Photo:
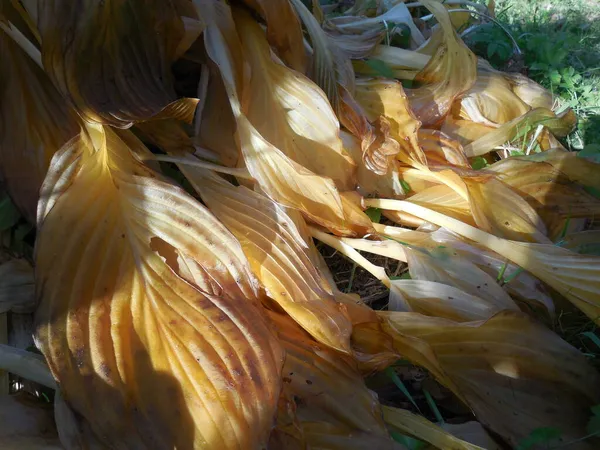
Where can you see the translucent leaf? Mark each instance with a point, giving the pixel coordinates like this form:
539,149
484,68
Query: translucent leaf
291,112
170,362
279,257
500,210
575,276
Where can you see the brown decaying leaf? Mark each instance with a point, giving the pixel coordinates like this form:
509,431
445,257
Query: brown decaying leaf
170,363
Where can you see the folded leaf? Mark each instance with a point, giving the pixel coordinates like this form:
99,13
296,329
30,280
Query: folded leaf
282,179
35,121
440,149
171,363
560,125
279,257
380,97
512,371
111,59
290,111
443,266
464,131
491,101
369,182
529,91
451,72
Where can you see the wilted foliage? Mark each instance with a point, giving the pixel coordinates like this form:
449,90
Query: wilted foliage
181,301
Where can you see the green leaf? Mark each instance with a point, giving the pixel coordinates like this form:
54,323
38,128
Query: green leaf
492,49
595,192
405,186
404,276
9,214
591,151
374,214
400,385
555,77
479,162
539,436
381,68
409,442
593,426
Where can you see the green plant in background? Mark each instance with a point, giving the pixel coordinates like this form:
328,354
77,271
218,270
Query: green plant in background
560,45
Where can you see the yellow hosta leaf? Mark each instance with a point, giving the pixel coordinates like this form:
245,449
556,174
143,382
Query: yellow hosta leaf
446,200
549,191
464,131
326,381
514,373
440,149
291,112
500,210
529,91
282,179
125,75
443,266
491,101
421,428
170,363
35,121
575,276
369,182
580,170
443,243
560,125
279,257
381,97
283,30
442,300
451,71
